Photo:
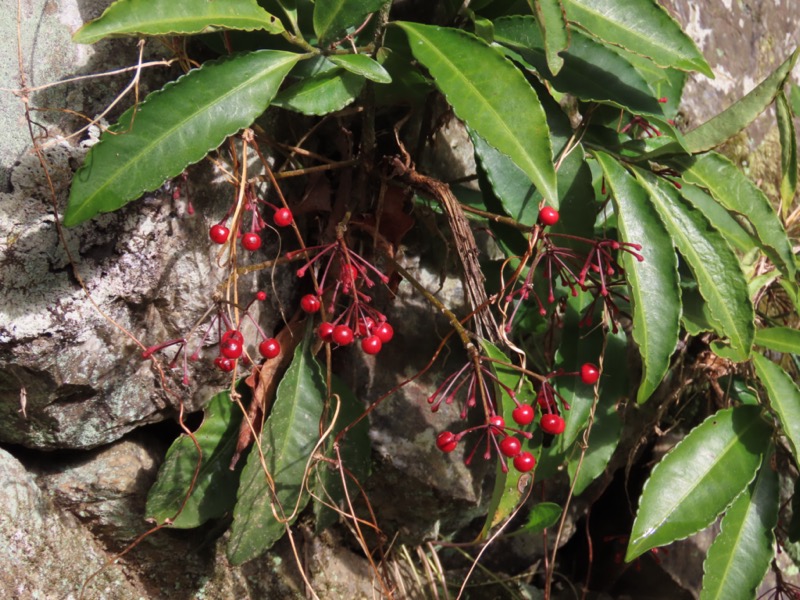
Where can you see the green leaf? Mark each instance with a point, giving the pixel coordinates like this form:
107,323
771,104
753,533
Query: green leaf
214,492
322,93
354,450
653,282
784,398
607,427
489,94
788,140
552,22
641,27
699,478
363,65
739,115
509,485
591,71
542,516
715,267
794,96
741,554
174,128
156,17
731,188
287,440
696,318
333,17
780,339
719,217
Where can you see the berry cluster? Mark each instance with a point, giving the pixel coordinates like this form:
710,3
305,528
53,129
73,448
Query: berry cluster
230,344
475,381
341,277
251,239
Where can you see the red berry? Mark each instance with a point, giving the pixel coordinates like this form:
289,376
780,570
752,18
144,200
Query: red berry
524,462
342,335
219,233
446,441
510,446
371,344
548,216
523,414
325,331
283,217
269,348
232,334
224,364
310,303
348,275
251,241
497,423
261,296
385,332
365,326
589,374
231,348
552,424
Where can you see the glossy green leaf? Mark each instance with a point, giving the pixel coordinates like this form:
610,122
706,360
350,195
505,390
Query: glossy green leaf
174,128
355,451
794,97
695,317
740,114
578,345
510,485
333,17
639,26
591,71
290,433
653,282
156,17
607,427
715,266
784,398
214,492
322,93
733,190
788,140
699,478
542,516
780,339
742,552
552,22
489,94
363,65
716,214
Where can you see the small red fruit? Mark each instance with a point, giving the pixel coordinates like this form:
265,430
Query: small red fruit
552,424
283,217
510,446
385,332
348,275
446,441
497,424
310,303
261,296
251,241
325,331
342,335
589,374
371,344
524,462
523,414
365,326
548,216
224,364
231,348
269,348
219,233
232,334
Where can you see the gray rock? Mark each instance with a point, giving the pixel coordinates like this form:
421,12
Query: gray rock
46,554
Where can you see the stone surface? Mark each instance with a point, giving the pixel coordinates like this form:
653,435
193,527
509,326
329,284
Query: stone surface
45,553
